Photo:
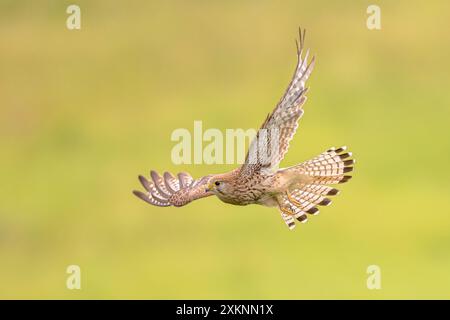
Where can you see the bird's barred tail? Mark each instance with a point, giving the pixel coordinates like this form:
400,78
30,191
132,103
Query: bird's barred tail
328,168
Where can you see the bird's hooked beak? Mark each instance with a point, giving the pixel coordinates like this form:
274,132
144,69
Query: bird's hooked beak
210,187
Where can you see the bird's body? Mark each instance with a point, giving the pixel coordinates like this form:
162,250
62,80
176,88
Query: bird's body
296,190
262,190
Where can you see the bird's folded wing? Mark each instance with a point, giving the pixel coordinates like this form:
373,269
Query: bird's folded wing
173,191
272,140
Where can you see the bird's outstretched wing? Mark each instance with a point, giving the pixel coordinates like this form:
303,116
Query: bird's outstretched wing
173,191
272,140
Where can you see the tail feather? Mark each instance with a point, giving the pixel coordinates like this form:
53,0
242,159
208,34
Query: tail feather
326,169
321,189
331,164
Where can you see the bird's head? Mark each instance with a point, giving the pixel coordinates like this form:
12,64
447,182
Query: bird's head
220,186
216,185
224,186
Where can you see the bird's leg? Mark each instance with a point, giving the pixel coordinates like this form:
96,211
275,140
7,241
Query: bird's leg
291,199
285,210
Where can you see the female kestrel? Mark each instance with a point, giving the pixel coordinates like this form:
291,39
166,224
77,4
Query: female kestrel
296,190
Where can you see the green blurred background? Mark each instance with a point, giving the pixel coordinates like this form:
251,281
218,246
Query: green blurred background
82,113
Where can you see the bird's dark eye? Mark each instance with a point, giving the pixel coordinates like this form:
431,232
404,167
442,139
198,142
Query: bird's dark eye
217,183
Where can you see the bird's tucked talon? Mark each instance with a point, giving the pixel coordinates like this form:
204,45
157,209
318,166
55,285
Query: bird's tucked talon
287,211
291,199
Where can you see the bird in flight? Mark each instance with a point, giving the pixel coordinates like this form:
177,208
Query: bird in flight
296,191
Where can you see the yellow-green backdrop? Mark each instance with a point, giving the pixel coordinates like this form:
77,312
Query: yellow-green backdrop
83,112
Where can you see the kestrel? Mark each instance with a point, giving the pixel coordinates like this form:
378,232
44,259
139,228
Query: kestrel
296,191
